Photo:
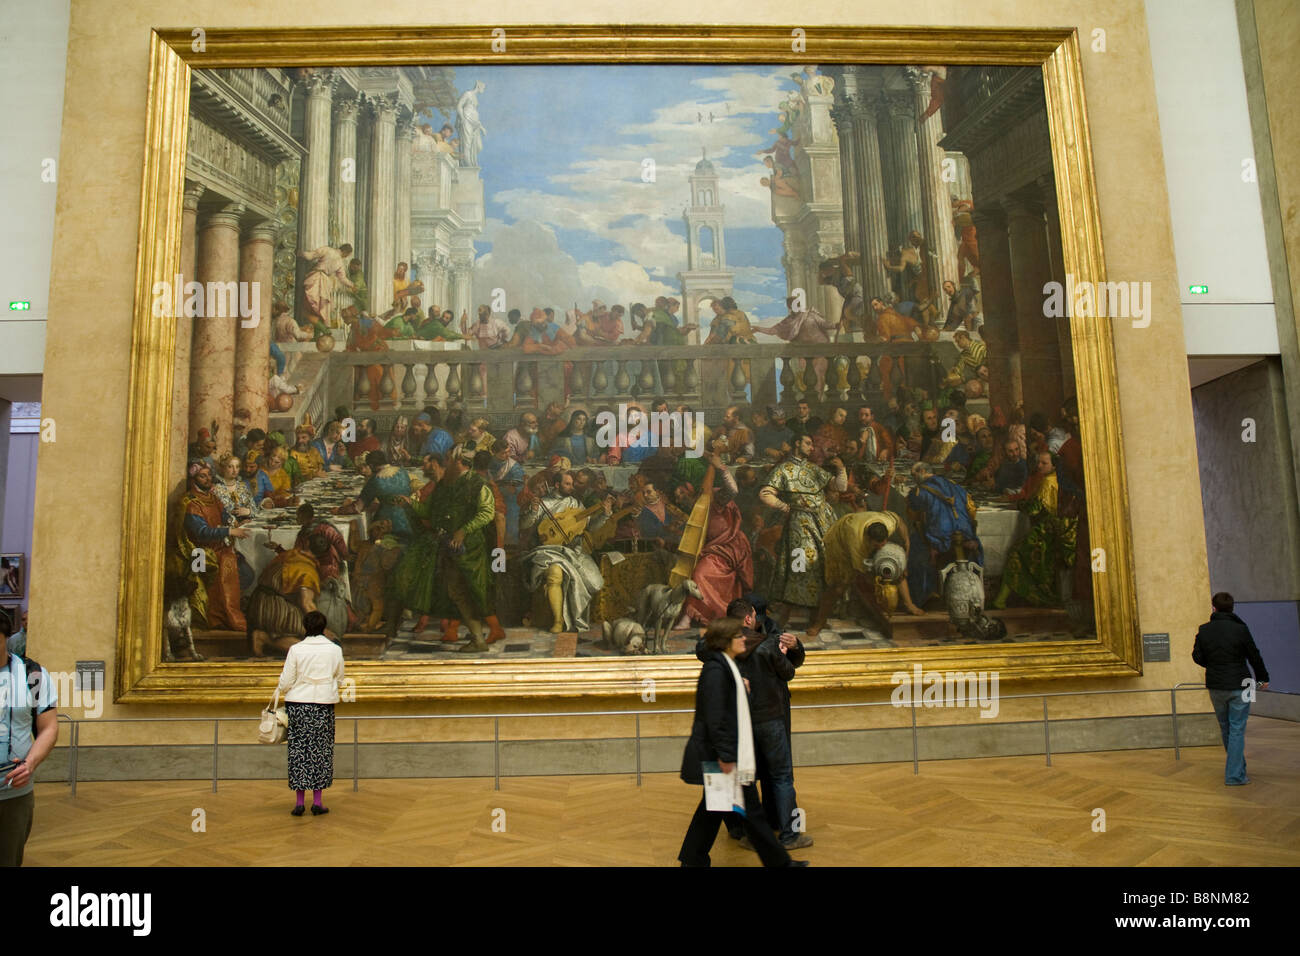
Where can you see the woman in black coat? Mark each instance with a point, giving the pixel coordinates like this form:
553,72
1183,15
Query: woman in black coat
716,736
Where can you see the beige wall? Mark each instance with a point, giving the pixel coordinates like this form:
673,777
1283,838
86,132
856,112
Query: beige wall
1277,24
79,492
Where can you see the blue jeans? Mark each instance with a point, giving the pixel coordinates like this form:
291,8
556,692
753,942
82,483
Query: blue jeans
1232,712
773,742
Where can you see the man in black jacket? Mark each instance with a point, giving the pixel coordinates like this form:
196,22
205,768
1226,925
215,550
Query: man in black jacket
769,666
1223,646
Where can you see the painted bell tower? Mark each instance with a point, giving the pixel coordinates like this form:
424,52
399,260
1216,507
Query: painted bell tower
706,275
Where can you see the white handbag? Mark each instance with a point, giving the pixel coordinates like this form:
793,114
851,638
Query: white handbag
275,722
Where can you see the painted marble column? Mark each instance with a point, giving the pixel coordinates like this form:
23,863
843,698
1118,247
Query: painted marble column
314,194
870,189
1040,354
442,284
902,167
1052,216
343,173
212,361
998,295
862,184
405,133
253,343
361,221
831,302
462,269
180,432
793,261
937,203
380,260
845,125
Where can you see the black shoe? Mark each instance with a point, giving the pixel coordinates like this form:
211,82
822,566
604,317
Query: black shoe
317,810
298,810
797,863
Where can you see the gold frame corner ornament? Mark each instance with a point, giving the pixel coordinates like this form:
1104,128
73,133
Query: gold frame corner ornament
142,677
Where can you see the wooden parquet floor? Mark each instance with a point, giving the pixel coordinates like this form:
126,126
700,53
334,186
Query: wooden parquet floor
1009,811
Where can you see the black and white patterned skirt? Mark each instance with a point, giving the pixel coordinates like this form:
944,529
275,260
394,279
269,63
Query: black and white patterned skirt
311,746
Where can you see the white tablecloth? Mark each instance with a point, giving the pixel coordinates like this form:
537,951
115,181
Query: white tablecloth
1000,529
325,494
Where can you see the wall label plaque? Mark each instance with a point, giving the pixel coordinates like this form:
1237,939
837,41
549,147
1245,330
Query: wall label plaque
1155,647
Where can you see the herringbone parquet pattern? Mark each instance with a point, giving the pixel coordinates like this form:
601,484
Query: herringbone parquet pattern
998,812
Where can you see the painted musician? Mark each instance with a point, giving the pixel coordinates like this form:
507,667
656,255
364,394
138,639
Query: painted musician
563,569
724,567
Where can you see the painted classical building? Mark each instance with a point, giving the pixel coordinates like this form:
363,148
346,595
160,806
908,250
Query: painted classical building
281,162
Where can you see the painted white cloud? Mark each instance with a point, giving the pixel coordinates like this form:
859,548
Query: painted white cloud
527,262
604,186
622,281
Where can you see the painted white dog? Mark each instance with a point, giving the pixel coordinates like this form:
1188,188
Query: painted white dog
624,635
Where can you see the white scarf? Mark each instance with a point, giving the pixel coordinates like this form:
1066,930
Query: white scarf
746,764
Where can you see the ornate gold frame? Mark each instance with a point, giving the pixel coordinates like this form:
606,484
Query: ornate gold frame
141,677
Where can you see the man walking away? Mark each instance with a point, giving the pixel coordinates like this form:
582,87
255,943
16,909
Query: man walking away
1223,646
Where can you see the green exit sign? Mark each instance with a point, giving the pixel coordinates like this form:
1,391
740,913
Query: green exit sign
1198,289
20,306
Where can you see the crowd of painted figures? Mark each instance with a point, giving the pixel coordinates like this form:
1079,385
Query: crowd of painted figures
791,506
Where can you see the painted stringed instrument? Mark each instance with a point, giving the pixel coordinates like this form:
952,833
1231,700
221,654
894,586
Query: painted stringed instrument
564,527
692,542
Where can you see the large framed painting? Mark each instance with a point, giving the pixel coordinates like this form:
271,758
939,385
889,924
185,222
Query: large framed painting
520,356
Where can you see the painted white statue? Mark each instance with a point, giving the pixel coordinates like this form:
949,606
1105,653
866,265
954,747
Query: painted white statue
468,125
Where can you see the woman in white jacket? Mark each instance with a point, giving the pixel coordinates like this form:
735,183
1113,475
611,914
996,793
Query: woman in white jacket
310,682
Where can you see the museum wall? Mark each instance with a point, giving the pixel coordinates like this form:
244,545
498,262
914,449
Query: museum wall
1270,61
1249,500
1274,50
1251,531
32,53
80,485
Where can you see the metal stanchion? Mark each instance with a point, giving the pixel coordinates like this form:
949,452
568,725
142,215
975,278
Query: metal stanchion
916,765
1047,735
496,749
638,750
72,759
356,759
1173,710
216,731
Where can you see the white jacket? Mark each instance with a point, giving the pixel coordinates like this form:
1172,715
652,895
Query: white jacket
312,672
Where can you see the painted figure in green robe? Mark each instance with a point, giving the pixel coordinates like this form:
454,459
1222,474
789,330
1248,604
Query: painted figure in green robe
1034,566
444,573
359,293
668,332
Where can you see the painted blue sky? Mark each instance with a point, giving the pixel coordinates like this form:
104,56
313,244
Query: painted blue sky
569,217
